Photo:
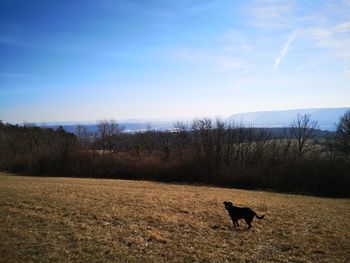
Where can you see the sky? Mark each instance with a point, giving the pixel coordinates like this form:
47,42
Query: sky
86,60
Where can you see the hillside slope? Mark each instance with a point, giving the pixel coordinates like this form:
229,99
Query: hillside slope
90,220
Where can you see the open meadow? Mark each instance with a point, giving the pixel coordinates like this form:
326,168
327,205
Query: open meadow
95,220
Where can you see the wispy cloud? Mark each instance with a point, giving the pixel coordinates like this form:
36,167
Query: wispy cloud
270,14
343,27
334,38
285,49
324,29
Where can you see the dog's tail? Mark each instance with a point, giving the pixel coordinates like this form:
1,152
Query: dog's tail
259,217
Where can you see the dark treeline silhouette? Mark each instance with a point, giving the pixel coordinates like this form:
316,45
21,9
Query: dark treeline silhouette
298,160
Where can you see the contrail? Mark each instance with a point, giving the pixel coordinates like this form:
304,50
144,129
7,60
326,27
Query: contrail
284,49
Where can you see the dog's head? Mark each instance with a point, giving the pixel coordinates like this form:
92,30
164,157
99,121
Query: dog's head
228,205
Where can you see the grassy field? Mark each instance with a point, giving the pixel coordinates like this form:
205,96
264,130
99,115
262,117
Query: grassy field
88,220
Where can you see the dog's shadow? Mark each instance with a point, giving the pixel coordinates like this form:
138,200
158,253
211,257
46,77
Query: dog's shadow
231,228
241,229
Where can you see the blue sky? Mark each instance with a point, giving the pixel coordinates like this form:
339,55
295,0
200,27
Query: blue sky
86,60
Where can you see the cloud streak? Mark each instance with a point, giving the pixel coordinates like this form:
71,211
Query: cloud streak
284,50
270,14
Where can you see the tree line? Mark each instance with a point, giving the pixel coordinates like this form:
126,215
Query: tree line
204,151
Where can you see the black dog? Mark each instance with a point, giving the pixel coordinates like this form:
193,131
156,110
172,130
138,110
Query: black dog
236,213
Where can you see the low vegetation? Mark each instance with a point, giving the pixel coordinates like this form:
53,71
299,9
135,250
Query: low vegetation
96,220
298,159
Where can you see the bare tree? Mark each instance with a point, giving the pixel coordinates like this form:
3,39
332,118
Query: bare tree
82,134
149,126
230,142
203,140
303,132
164,138
107,135
219,141
149,137
329,147
262,137
342,137
181,130
138,142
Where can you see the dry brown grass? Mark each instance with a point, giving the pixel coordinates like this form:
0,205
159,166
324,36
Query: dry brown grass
88,220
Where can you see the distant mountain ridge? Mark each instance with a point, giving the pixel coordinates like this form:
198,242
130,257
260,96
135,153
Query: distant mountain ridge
326,118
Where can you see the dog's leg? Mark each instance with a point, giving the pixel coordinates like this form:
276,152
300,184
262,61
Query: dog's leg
234,222
249,221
